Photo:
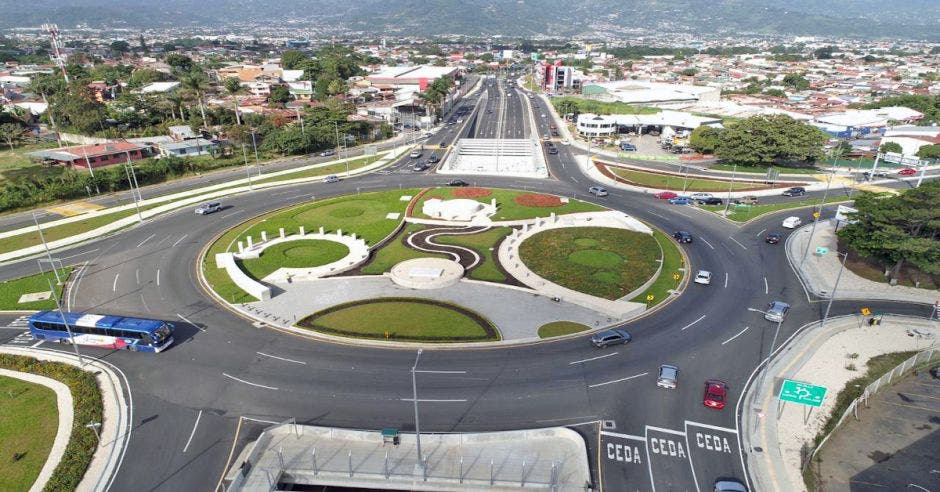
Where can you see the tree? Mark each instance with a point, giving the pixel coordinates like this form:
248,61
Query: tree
280,94
180,63
195,83
144,76
796,80
898,229
688,72
120,47
824,53
765,139
704,139
891,147
567,106
775,93
11,133
78,108
142,44
234,87
929,152
293,60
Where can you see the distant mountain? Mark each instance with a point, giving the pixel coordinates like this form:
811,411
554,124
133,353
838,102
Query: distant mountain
916,19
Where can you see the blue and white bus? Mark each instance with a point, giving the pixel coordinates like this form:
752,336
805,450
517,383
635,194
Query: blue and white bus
113,332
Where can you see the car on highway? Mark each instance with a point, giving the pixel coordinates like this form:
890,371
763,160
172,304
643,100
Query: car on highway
552,126
712,200
443,145
703,277
772,238
935,372
777,311
727,484
792,222
597,190
682,236
331,179
668,377
874,174
716,392
700,195
415,154
552,150
554,133
665,195
610,337
909,171
795,191
746,200
327,153
434,159
628,147
420,166
565,142
208,208
457,182
680,200
543,115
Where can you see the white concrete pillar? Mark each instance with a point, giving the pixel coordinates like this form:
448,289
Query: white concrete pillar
493,202
241,247
281,230
552,216
302,232
353,235
264,236
525,227
250,243
321,230
339,233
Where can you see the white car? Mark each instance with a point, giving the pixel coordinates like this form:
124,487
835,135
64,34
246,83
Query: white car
703,277
792,222
415,154
700,195
331,179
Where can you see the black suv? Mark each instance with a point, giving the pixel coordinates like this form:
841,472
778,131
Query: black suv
795,191
712,200
682,236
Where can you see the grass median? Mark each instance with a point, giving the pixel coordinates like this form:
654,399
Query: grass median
746,213
11,290
679,183
29,419
337,169
306,253
511,204
763,170
560,328
396,251
666,281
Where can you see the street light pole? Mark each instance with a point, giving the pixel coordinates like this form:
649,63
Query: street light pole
247,170
65,322
254,144
812,231
45,246
832,295
94,426
773,343
730,185
419,466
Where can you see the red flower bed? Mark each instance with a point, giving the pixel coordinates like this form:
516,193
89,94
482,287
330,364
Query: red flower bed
472,192
538,200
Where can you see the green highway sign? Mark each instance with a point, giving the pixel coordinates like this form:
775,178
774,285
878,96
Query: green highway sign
802,393
741,205
820,250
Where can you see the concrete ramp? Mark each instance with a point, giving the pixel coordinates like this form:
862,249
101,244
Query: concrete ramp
521,157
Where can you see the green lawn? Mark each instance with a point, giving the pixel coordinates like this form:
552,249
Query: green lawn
29,420
602,262
601,107
402,319
763,170
559,328
337,169
743,214
484,244
11,290
294,254
14,164
678,183
361,214
672,262
395,252
506,206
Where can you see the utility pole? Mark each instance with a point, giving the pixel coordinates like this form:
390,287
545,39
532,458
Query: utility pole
816,215
131,183
45,246
832,295
68,329
730,185
90,170
247,170
419,466
254,144
301,119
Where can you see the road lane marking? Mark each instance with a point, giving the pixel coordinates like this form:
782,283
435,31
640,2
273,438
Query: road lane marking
231,214
144,302
692,323
431,371
766,287
158,278
571,418
712,427
623,436
617,380
137,275
707,243
663,429
193,433
592,358
736,336
691,465
190,322
649,462
145,240
249,382
37,344
297,196
424,400
761,232
736,242
726,280
79,254
179,240
281,358
656,214
114,285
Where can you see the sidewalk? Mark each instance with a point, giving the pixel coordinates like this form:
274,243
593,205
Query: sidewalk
773,434
818,272
115,430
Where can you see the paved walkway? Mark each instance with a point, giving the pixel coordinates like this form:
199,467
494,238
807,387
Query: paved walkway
774,434
818,272
500,304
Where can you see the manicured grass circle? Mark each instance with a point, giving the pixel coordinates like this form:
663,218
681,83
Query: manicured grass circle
606,276
28,425
402,319
595,258
346,212
586,242
301,253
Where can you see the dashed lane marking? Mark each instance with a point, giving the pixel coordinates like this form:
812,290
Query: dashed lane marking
592,358
617,380
692,323
736,242
736,336
249,382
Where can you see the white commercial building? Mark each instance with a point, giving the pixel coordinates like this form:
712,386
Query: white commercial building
643,93
602,125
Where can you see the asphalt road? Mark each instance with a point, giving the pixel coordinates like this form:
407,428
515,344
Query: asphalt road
218,362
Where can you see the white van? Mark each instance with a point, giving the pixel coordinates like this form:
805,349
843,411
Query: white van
792,222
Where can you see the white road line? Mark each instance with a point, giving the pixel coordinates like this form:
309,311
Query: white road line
190,322
430,371
766,287
145,240
692,323
158,278
231,214
736,336
736,242
282,358
37,344
761,232
726,280
249,382
649,462
706,242
261,420
79,254
144,302
712,427
623,436
617,380
422,400
568,418
592,358
114,285
137,275
656,214
193,433
297,196
574,179
691,465
682,214
663,429
179,240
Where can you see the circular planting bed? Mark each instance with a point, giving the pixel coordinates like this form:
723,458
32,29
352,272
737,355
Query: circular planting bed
600,261
538,200
302,253
472,192
402,319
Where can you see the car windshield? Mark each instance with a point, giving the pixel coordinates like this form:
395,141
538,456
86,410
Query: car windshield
161,334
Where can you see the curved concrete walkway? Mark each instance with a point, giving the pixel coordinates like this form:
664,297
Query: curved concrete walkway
424,241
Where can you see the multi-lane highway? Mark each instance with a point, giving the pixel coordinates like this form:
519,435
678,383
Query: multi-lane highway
187,400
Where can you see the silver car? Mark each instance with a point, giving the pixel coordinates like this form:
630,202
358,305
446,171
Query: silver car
777,311
610,337
597,191
208,208
668,377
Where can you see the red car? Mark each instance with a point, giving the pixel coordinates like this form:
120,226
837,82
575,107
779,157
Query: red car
716,391
907,172
665,195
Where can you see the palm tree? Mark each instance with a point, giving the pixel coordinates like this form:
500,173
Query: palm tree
234,87
196,84
175,101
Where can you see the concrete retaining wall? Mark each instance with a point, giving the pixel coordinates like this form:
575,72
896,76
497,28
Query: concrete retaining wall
242,280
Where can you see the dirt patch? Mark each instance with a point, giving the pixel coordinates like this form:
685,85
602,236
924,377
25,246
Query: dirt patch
472,192
538,200
414,201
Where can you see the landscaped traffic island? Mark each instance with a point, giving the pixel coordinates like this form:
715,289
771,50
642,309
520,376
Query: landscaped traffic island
29,420
403,319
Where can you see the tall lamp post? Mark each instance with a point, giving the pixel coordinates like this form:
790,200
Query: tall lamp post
419,466
65,322
773,343
816,215
832,295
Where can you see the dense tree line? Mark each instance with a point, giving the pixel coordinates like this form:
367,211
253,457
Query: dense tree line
928,105
761,141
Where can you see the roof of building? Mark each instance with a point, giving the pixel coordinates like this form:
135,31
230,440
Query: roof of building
413,72
186,144
82,151
160,87
678,119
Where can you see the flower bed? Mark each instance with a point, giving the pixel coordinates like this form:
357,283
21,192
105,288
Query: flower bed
472,192
538,200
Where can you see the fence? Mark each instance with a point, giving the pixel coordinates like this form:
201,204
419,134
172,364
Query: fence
900,370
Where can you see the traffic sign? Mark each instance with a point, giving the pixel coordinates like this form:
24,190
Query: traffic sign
866,311
816,215
820,250
802,393
676,276
742,205
650,297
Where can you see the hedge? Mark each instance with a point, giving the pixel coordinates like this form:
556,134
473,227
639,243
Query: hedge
86,398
